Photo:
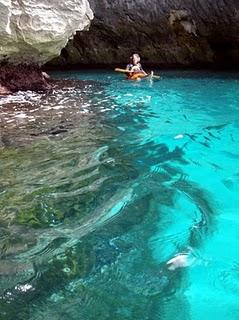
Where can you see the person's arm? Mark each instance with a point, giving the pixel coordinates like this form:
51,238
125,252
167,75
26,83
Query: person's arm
141,69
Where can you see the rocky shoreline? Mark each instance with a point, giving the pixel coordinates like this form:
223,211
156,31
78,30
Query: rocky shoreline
31,34
22,77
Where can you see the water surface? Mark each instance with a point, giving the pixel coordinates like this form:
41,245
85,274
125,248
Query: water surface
118,199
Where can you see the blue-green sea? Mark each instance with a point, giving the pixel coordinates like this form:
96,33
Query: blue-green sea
121,203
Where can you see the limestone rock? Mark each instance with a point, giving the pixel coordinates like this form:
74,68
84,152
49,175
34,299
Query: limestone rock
182,17
35,31
164,32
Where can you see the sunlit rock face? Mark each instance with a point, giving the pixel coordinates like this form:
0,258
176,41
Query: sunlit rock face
164,32
35,31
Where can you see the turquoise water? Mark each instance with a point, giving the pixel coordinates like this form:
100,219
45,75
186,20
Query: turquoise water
132,212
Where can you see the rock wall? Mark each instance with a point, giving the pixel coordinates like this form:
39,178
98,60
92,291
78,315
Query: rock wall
164,32
35,31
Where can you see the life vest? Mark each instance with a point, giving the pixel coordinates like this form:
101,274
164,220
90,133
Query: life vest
135,75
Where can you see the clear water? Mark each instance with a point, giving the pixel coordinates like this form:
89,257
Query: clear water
130,213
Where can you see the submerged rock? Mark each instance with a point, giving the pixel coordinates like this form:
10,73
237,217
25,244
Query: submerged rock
28,117
22,77
166,33
180,261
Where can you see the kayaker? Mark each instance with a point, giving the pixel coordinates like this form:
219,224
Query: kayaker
136,69
135,65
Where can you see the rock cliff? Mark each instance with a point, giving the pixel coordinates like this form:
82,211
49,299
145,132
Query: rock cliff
35,31
164,32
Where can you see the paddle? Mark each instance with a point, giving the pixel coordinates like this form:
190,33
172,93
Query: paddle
128,71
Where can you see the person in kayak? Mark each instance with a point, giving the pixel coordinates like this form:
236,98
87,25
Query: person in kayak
135,68
135,65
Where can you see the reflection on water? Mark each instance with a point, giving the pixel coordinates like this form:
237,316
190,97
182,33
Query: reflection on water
120,203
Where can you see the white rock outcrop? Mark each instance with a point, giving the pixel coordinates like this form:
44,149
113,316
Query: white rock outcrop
35,31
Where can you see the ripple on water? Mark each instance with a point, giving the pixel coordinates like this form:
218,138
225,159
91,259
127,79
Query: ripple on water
110,207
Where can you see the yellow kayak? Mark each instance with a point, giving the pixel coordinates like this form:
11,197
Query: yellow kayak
136,75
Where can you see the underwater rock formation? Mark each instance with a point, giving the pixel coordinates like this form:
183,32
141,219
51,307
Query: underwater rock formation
165,33
33,32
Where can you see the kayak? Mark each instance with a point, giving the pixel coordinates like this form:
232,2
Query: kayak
136,75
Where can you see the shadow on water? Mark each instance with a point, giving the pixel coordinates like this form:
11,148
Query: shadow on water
78,214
